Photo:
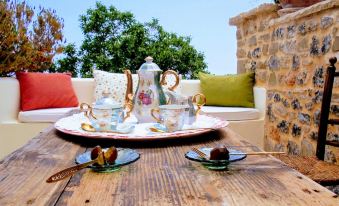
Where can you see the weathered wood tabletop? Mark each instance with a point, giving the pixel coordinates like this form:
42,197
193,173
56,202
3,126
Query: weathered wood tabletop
162,176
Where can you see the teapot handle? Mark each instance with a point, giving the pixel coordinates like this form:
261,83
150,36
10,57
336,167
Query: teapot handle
129,88
153,111
88,110
177,79
199,105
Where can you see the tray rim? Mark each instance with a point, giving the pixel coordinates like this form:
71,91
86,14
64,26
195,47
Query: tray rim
155,136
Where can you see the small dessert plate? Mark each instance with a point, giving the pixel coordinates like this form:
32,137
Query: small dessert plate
214,164
125,157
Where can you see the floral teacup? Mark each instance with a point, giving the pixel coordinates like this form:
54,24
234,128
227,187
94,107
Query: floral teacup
171,116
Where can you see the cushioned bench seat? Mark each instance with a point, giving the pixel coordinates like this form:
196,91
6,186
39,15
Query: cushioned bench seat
232,113
43,115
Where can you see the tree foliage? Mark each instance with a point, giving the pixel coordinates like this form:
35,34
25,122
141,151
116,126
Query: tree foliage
69,63
114,41
28,41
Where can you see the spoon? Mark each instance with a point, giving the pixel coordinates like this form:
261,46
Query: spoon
87,127
153,129
97,155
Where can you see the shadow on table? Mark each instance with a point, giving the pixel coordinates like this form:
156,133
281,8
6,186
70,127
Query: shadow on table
206,138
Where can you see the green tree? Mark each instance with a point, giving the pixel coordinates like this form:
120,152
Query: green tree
69,63
114,41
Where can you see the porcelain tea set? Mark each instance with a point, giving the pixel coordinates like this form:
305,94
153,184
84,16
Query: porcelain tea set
149,104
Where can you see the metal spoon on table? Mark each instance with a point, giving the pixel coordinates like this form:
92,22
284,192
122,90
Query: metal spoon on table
97,155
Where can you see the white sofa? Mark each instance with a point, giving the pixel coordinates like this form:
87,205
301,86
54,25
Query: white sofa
16,127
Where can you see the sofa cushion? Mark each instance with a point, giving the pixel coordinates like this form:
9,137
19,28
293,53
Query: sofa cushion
45,90
44,115
232,113
228,90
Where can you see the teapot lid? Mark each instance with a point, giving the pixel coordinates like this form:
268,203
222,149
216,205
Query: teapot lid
106,102
149,65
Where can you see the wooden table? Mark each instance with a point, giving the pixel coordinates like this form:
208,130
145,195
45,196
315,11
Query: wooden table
162,176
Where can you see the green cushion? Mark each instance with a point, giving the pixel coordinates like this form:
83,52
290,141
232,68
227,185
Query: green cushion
228,90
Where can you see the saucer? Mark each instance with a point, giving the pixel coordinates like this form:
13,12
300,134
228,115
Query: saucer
123,128
214,164
125,157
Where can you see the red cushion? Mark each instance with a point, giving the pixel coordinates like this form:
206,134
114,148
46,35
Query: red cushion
43,90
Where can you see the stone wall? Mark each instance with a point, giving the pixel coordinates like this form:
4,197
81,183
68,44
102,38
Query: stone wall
289,56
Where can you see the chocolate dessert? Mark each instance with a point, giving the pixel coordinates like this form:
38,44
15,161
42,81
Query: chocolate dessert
220,153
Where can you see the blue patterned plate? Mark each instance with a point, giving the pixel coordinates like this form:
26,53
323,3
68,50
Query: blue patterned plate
214,164
125,157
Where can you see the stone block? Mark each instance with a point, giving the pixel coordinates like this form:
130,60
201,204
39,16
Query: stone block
293,148
269,113
261,76
302,45
335,46
304,118
296,130
240,43
280,110
284,126
273,63
278,33
238,34
291,30
326,44
301,78
288,47
290,78
296,104
302,29
252,41
316,117
241,66
241,53
256,53
314,47
295,62
250,27
335,98
273,49
326,22
265,37
265,49
318,77
330,156
272,80
306,148
318,96
307,61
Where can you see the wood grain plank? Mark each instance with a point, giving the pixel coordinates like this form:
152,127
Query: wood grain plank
23,173
163,176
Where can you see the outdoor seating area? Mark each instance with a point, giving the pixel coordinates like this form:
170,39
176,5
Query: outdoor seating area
267,135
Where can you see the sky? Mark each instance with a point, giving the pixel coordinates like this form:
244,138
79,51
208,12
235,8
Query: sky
205,21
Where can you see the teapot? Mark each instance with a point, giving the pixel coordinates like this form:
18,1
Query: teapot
149,93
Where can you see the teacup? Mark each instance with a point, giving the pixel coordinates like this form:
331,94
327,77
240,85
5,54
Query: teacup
104,118
171,116
194,104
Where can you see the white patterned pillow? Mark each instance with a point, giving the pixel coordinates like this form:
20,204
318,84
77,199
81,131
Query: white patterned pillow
116,84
